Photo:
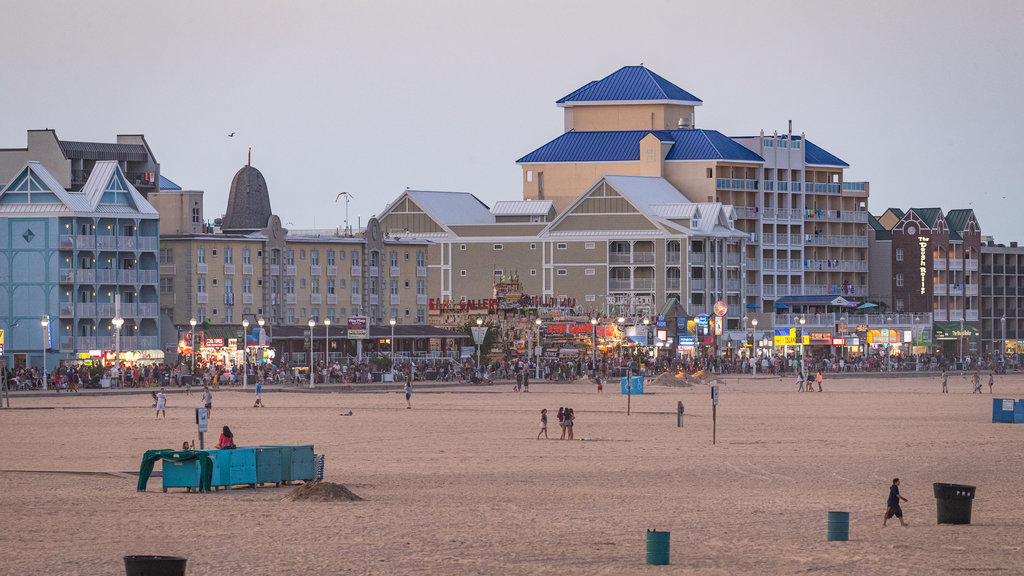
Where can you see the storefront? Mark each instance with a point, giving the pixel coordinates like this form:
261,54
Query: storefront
956,338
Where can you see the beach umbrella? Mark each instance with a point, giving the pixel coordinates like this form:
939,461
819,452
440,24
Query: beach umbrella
867,305
752,306
781,307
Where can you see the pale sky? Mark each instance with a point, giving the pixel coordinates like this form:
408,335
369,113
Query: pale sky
922,99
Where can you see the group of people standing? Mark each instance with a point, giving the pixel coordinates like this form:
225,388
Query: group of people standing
566,419
801,380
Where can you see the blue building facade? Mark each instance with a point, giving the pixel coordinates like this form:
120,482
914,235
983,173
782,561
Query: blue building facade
66,256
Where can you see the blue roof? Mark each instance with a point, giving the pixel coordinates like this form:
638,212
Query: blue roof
166,184
623,146
630,84
813,154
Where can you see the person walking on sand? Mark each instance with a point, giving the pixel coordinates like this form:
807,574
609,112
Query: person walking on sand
818,380
161,404
976,381
945,382
892,506
259,395
799,381
543,424
561,421
208,400
991,381
408,393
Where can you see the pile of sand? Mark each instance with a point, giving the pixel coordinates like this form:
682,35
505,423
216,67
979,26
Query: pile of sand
678,380
323,492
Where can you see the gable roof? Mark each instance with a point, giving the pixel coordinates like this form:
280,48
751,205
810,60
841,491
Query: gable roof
452,208
818,156
103,151
166,184
629,84
624,146
97,197
928,215
958,219
880,232
522,207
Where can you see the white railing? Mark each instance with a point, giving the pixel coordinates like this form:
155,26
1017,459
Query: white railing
769,239
357,270
768,265
421,271
396,299
971,264
956,289
247,298
643,284
697,284
67,343
972,315
148,309
836,289
247,269
732,284
202,268
374,299
940,289
752,264
316,299
106,242
126,276
332,270
971,290
956,264
940,315
146,242
732,259
747,212
834,265
394,271
275,269
149,276
827,240
202,297
126,243
229,269
315,270
768,290
673,257
698,258
86,342
106,309
85,309
87,242
66,276
357,300
290,298
374,271
421,299
290,270
86,276
672,284
66,242
106,276
332,299
939,263
619,284
810,320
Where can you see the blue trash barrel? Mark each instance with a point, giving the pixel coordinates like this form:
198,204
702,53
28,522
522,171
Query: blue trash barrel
838,526
657,547
954,503
154,565
1002,410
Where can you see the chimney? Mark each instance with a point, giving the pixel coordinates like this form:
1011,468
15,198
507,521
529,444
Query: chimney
1013,244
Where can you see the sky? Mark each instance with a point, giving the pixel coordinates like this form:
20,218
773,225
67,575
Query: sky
921,98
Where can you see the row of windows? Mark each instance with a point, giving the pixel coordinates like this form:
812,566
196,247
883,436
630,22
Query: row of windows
314,314
167,285
772,143
533,246
167,256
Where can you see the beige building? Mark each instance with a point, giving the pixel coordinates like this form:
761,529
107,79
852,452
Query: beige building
805,225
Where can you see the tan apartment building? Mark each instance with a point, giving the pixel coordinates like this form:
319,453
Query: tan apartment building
805,226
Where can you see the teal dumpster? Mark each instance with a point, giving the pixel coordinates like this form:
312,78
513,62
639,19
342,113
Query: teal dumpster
297,462
838,526
234,466
187,474
1018,412
268,465
658,547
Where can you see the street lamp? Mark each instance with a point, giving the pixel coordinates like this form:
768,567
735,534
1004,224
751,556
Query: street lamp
841,350
803,320
1003,322
392,321
647,332
593,322
311,324
45,323
261,322
193,344
536,335
245,355
327,347
479,322
754,333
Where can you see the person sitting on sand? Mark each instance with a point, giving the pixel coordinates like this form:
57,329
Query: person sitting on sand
227,439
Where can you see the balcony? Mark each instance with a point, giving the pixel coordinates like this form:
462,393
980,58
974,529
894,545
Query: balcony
972,315
396,299
247,298
956,289
290,270
752,263
67,343
394,271
275,269
229,269
291,298
769,239
698,258
732,285
106,309
202,297
202,268
940,289
67,310
332,299
315,270
747,212
316,299
247,269
106,242
421,271
698,284
939,263
149,276
842,241
357,300
622,258
147,243
941,315
971,264
127,276
106,276
732,259
168,270
837,289
85,343
672,284
421,299
66,276
768,265
357,270
810,320
85,309
673,257
373,271
126,243
332,270
66,242
85,242
956,264
148,342
86,276
374,299
149,309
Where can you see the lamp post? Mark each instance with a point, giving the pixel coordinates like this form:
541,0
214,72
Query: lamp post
961,339
327,348
1003,354
841,350
392,321
754,333
593,323
479,322
311,324
620,320
536,334
45,323
647,331
261,322
245,355
803,320
192,346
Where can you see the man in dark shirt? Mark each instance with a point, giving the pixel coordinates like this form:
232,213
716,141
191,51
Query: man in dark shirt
893,504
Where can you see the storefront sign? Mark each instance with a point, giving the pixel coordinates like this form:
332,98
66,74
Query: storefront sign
785,337
579,330
721,308
213,343
839,341
358,328
883,336
702,321
923,242
444,304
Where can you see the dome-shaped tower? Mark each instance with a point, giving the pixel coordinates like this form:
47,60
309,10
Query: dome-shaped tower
248,202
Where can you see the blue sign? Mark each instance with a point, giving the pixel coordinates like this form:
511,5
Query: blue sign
686,342
681,326
635,385
702,320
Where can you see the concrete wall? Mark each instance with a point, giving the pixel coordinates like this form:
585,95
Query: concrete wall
175,208
627,117
43,148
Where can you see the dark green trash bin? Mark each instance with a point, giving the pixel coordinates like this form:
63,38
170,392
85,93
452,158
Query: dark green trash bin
954,502
657,547
838,526
154,565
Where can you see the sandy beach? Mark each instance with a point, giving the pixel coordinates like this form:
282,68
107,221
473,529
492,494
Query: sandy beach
459,484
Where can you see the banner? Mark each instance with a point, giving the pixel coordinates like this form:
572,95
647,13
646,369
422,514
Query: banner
358,328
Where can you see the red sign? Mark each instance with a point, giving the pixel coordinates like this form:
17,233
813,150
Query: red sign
579,330
214,343
443,304
838,341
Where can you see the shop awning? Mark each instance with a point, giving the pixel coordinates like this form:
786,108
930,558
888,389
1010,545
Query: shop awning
952,331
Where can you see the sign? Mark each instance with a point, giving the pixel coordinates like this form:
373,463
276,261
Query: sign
721,308
883,336
1,342
839,341
686,342
233,343
445,305
467,352
702,320
213,343
661,322
908,336
1008,405
201,420
358,328
785,337
479,333
923,242
579,330
718,326
714,395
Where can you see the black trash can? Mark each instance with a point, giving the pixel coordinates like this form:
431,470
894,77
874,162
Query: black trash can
154,565
954,503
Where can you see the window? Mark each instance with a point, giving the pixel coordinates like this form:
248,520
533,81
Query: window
562,272
421,314
201,255
214,255
289,286
588,272
533,246
462,246
342,313
407,284
302,254
229,255
768,143
782,144
330,285
529,175
394,258
406,255
289,316
899,304
899,279
289,257
167,284
355,286
462,272
229,315
302,283
341,255
499,273
589,246
711,173
421,258
314,257
229,287
560,246
795,145
498,247
394,287
533,272
315,285
275,257
330,314
330,257
355,257
201,284
899,254
246,256
166,256
195,216
341,283
201,313
421,286
589,298
246,285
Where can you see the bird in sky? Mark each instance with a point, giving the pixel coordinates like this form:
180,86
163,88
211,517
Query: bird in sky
232,135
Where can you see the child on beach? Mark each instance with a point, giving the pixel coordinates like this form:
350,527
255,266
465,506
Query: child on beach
892,506
991,381
945,383
208,401
161,404
799,381
543,424
408,393
259,396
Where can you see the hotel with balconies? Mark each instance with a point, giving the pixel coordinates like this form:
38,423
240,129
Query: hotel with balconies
804,224
68,255
1002,298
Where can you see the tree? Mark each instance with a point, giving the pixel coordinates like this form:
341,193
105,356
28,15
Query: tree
490,339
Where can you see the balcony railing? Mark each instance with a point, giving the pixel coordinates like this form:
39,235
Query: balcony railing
67,309
971,264
732,259
315,270
394,271
421,299
769,239
126,276
940,289
290,298
673,257
835,265
747,212
357,270
736,184
332,270
126,243
247,298
698,258
956,289
86,276
826,240
149,309
752,263
698,284
290,270
332,299
316,299
229,269
374,299
148,342
940,315
357,300
837,289
106,276
85,242
66,276
421,271
106,242
85,309
374,271
732,284
106,309
149,276
275,269
85,343
67,343
768,265
202,268
149,243
66,242
939,263
673,284
972,315
168,269
396,299
202,297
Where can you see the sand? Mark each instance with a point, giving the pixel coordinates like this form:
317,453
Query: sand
459,485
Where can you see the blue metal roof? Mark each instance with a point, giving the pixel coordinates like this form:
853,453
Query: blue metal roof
623,146
814,154
629,84
166,184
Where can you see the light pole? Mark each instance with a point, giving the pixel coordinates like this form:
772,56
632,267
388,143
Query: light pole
961,340
327,348
392,321
803,320
754,332
45,323
1003,354
647,332
245,355
479,322
193,345
841,350
117,322
593,323
261,322
620,320
311,324
536,338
